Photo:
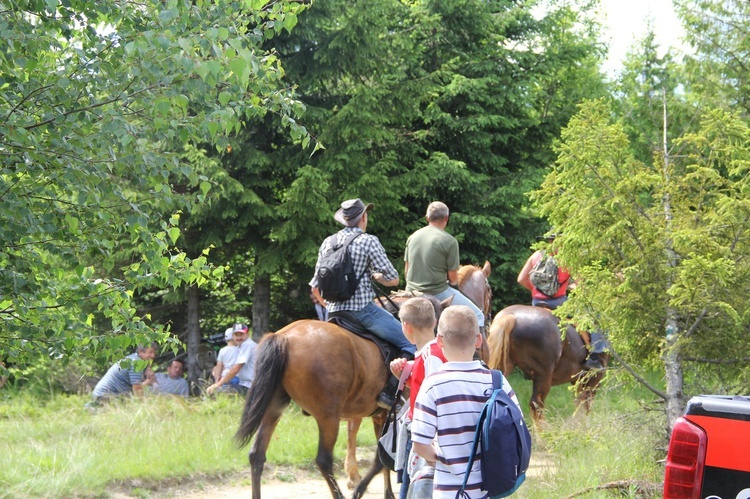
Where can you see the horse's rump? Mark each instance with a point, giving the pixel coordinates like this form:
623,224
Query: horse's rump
331,370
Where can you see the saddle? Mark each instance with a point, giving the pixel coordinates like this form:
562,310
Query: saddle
349,322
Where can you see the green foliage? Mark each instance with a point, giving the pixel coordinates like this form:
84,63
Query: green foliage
622,219
647,83
414,102
98,101
717,74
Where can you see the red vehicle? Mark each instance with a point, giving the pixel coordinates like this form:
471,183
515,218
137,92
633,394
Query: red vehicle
709,451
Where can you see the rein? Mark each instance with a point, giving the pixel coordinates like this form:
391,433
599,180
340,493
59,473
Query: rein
380,293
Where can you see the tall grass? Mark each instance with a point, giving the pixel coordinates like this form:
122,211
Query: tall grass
59,448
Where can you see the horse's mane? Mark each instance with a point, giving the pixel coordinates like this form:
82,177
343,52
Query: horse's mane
465,270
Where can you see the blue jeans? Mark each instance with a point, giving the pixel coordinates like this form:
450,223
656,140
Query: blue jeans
460,299
382,324
405,480
551,303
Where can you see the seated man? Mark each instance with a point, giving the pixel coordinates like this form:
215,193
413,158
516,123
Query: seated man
124,380
244,364
226,358
370,262
171,382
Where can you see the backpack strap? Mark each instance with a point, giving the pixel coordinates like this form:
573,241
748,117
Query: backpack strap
346,244
392,415
348,240
497,385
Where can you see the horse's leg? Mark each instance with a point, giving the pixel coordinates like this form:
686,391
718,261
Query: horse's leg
377,466
262,439
586,389
350,463
328,430
540,390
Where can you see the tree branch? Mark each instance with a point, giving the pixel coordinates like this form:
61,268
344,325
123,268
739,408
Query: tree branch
637,376
649,487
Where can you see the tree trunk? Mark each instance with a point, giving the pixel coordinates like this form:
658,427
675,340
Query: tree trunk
261,305
674,374
193,337
672,357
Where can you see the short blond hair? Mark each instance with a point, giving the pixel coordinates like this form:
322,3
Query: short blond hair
437,210
418,312
458,326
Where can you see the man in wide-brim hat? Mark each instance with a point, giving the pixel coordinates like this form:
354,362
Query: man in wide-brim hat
370,262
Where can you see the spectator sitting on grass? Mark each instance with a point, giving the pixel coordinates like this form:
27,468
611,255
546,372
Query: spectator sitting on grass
226,358
244,366
171,382
124,380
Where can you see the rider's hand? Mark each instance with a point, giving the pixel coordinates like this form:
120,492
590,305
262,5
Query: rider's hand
397,366
378,276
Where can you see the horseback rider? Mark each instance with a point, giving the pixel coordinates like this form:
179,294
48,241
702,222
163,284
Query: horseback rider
431,260
540,299
370,262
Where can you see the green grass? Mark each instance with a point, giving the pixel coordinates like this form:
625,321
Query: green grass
59,448
621,440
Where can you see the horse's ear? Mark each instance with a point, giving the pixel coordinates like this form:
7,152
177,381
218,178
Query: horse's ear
447,302
487,268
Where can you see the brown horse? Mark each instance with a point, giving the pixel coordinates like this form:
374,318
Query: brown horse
331,374
391,304
473,283
529,338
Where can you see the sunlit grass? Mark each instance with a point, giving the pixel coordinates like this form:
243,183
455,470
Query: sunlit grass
59,448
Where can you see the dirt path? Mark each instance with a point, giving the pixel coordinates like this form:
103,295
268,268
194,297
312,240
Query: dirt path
287,483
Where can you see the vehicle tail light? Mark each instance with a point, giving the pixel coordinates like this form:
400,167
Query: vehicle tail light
683,477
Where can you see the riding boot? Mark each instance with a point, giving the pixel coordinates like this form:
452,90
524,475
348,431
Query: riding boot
387,397
598,345
593,362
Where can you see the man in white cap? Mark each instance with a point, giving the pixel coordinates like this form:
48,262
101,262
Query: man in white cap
226,358
244,366
370,262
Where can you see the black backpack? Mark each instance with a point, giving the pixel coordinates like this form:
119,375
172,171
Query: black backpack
337,280
505,444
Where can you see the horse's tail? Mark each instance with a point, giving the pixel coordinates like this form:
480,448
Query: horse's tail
499,341
270,364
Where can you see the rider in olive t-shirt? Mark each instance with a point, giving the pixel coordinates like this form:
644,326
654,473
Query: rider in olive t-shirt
431,260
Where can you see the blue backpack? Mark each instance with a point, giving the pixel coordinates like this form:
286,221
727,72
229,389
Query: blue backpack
506,444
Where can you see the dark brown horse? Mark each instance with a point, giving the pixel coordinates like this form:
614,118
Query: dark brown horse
331,374
529,338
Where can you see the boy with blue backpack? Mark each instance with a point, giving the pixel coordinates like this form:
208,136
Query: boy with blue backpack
449,405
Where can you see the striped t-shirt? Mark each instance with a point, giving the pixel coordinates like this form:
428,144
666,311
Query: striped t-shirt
448,406
118,379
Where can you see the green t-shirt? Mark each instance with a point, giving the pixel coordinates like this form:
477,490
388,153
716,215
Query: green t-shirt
430,254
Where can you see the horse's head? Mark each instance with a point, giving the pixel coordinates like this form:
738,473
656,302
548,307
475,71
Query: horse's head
439,305
474,284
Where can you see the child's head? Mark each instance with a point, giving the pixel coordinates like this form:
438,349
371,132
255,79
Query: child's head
418,312
418,320
458,332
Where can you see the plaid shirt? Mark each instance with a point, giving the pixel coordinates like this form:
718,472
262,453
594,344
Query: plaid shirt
366,253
